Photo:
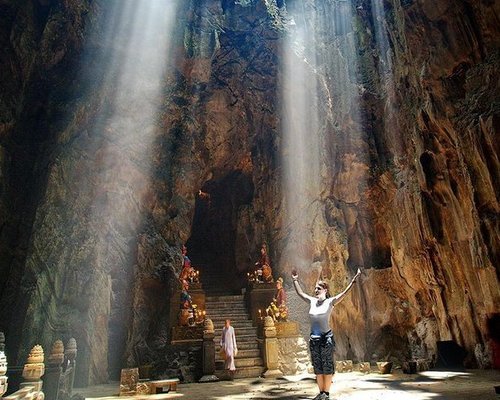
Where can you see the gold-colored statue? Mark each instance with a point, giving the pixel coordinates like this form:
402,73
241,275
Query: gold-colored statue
262,271
278,309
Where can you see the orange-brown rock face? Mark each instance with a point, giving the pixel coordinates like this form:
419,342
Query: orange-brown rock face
93,217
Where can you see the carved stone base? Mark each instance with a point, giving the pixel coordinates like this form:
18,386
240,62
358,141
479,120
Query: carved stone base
128,381
208,378
287,329
3,385
272,373
259,296
414,366
343,366
186,334
365,367
384,367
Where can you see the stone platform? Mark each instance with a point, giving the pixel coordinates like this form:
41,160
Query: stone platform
160,396
466,385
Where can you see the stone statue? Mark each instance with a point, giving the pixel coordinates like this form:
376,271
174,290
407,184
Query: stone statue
187,269
278,310
186,305
188,273
263,271
280,300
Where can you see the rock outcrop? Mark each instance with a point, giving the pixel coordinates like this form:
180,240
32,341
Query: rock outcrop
94,208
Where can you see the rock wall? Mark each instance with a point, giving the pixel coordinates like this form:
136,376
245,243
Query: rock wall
408,185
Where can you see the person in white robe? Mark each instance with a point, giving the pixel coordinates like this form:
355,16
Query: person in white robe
228,344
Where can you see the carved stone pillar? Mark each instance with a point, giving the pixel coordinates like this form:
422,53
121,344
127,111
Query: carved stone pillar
53,371
70,362
208,352
270,350
3,366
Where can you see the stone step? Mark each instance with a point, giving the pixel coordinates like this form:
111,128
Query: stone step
215,299
245,372
231,303
221,317
242,345
243,323
240,362
239,331
215,306
226,310
242,353
242,337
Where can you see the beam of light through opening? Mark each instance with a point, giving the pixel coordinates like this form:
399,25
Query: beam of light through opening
137,64
139,37
321,123
301,156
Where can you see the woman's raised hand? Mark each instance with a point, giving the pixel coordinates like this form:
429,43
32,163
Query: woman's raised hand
295,276
358,273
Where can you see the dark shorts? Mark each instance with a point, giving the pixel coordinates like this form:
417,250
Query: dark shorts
322,353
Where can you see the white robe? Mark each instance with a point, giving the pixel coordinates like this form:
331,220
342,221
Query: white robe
228,343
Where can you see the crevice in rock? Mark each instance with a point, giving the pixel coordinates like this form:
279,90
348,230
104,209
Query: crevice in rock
212,242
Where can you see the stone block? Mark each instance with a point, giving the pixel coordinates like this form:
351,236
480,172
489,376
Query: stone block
414,366
364,367
343,366
384,367
186,334
128,381
163,385
287,329
259,296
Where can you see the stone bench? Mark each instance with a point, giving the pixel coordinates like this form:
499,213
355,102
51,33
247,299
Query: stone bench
163,385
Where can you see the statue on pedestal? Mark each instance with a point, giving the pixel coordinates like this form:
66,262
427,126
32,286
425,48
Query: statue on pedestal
263,271
278,309
188,273
186,312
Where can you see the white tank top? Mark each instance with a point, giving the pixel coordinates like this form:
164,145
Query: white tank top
319,315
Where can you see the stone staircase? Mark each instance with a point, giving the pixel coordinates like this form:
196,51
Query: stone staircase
248,361
216,282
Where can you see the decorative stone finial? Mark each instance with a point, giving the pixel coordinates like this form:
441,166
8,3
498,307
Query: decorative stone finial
3,366
57,353
208,326
269,327
71,350
268,322
36,355
34,367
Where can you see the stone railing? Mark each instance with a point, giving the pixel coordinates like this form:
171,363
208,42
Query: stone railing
31,388
60,372
58,375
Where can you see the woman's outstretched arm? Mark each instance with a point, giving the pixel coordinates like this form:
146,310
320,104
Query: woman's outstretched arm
297,287
341,295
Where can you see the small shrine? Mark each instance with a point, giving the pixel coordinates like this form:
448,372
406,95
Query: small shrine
262,271
190,305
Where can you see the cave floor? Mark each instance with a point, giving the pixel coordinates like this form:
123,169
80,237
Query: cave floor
435,385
